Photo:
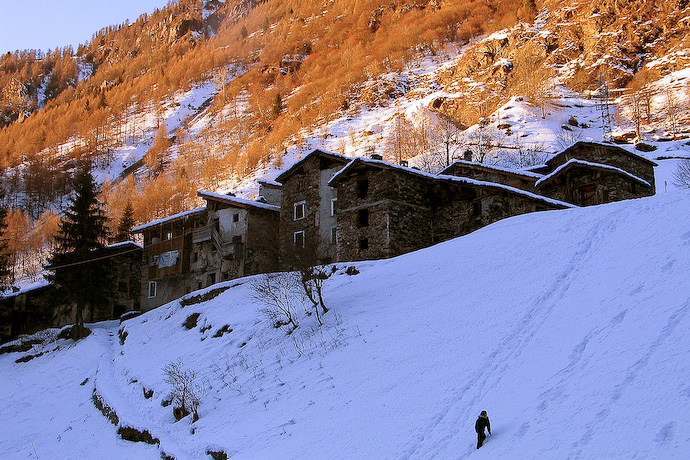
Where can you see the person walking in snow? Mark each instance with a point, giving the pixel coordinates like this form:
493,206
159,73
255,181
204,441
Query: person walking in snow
479,426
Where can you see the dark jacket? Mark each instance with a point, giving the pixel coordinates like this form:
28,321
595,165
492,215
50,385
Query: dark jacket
481,424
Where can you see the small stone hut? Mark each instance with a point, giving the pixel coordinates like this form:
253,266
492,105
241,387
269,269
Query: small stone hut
589,173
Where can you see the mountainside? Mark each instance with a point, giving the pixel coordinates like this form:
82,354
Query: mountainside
212,95
568,327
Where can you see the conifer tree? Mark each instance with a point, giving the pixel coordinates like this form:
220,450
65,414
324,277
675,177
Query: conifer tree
124,227
78,267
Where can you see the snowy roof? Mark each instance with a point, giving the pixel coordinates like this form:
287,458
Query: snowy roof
439,177
473,164
168,219
377,163
608,146
23,289
335,156
269,183
236,201
575,162
123,244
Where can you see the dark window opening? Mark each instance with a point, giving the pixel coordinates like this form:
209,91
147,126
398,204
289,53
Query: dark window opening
211,279
476,208
362,188
588,194
363,218
364,243
236,217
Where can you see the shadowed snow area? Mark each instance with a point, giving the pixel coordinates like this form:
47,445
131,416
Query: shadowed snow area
569,327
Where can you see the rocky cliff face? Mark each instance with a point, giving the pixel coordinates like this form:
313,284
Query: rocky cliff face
580,43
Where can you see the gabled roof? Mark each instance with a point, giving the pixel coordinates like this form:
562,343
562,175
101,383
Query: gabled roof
485,167
574,163
318,152
597,144
165,220
237,201
443,178
359,161
269,183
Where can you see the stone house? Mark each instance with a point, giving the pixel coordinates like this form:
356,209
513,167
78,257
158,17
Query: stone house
240,238
25,311
165,272
588,173
35,307
308,206
385,210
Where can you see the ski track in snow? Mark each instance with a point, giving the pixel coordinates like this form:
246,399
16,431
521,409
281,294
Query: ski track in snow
500,359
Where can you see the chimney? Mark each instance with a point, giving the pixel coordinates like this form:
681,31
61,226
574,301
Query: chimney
468,155
376,156
404,163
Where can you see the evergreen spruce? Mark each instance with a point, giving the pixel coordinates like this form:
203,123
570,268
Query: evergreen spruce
124,227
78,267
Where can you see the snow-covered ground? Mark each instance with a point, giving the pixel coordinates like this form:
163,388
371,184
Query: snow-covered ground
569,327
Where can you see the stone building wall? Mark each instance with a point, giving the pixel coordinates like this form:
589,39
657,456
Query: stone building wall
248,240
308,184
398,210
609,186
489,175
261,252
608,155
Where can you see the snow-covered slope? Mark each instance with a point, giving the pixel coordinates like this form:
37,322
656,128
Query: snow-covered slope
569,327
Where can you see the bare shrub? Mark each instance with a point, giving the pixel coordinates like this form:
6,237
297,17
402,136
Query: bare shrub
681,176
279,292
186,391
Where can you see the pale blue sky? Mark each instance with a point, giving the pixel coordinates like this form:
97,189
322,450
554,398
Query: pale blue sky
47,24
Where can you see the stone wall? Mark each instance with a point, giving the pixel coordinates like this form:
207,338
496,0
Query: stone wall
308,184
399,214
608,155
609,186
487,174
406,211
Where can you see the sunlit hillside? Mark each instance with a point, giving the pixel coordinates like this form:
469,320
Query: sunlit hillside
211,94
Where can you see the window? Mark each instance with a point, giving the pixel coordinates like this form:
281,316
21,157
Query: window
362,188
364,244
152,289
363,218
211,279
169,235
154,260
334,234
334,202
298,239
299,210
236,217
476,208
